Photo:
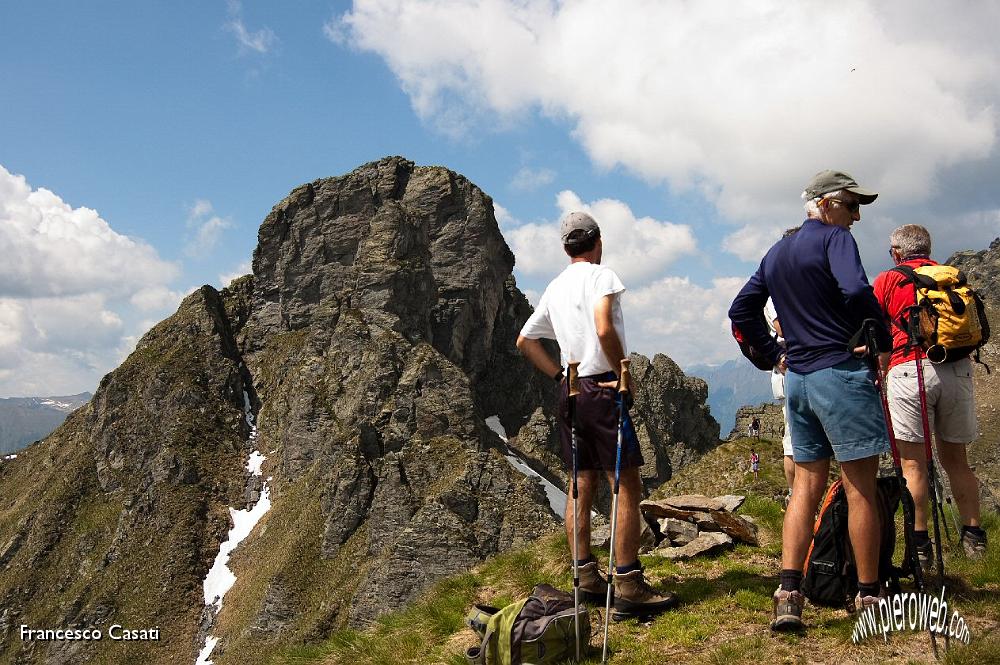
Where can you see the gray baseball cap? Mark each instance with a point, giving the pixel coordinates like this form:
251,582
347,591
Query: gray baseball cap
828,181
578,221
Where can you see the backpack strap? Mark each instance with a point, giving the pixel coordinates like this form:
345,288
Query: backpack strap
477,655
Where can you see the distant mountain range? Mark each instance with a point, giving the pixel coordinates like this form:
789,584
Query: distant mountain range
24,420
732,384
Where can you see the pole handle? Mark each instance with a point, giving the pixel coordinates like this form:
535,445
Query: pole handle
574,379
625,377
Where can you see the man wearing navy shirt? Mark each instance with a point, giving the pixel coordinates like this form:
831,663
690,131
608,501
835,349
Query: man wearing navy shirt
822,296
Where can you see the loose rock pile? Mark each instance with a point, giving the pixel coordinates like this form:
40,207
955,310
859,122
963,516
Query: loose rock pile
686,526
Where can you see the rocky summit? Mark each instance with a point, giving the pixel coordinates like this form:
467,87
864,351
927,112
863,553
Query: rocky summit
361,359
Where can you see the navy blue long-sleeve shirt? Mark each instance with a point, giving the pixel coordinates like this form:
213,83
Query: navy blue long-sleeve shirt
821,295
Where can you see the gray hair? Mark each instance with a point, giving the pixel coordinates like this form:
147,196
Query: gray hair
911,240
812,205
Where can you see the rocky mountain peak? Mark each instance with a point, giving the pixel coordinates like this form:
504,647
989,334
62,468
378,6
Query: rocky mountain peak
369,346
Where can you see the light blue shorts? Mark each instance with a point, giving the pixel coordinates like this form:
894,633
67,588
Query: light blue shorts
835,412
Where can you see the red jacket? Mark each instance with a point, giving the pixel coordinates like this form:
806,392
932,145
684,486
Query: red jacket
893,299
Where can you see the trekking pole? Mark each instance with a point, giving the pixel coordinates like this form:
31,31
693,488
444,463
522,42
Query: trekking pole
623,387
931,475
929,452
939,492
573,387
906,500
954,516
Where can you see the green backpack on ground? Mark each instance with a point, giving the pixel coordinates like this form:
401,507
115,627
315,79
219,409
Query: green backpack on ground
538,630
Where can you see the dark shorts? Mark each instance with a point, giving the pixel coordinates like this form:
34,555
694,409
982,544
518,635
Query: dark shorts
596,428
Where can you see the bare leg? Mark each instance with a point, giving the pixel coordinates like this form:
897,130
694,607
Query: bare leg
789,470
586,487
964,484
627,529
863,522
797,530
914,459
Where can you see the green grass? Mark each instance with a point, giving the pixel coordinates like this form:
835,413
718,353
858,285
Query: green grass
722,618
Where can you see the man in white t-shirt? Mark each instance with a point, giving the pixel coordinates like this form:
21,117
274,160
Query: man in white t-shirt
581,309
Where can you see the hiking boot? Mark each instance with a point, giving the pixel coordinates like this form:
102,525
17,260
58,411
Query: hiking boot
974,544
864,602
788,611
635,598
593,585
925,554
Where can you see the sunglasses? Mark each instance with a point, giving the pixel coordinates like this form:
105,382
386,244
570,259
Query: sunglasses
851,207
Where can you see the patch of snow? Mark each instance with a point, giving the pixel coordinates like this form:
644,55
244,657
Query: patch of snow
557,498
220,579
254,462
206,651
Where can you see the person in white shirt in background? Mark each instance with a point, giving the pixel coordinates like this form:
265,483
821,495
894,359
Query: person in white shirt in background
778,391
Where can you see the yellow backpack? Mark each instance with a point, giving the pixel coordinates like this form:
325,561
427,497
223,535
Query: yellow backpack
948,319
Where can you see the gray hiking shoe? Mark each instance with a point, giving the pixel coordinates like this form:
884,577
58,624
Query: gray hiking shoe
635,598
788,611
973,544
593,585
864,602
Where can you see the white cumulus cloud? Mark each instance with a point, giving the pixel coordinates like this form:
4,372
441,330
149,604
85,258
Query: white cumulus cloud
638,248
741,102
53,249
70,291
685,321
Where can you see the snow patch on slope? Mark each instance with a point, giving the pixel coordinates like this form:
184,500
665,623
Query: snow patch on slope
557,498
220,579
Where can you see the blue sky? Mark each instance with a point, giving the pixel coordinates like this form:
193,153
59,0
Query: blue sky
164,133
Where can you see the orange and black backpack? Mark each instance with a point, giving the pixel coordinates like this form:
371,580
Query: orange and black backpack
830,577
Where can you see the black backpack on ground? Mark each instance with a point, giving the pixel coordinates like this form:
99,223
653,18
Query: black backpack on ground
830,577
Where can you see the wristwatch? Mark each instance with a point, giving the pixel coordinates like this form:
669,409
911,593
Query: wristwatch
559,376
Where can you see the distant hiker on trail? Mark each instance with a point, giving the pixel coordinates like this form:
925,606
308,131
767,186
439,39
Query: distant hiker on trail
778,392
950,403
822,296
755,427
581,309
754,463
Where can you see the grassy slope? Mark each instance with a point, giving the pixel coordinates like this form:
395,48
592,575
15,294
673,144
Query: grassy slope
726,600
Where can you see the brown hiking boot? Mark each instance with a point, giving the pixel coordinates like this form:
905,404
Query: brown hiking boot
635,598
973,544
788,611
593,585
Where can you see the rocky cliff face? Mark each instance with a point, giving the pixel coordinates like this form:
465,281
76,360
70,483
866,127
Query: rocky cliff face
373,339
114,517
772,420
983,270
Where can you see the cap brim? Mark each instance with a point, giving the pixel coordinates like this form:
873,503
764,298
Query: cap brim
865,196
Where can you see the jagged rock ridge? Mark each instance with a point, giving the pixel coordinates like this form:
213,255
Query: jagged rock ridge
373,339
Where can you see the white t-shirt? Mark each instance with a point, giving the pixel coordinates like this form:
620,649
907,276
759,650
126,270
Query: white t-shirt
565,313
777,378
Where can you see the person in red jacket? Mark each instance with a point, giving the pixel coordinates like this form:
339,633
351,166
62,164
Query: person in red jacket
950,402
